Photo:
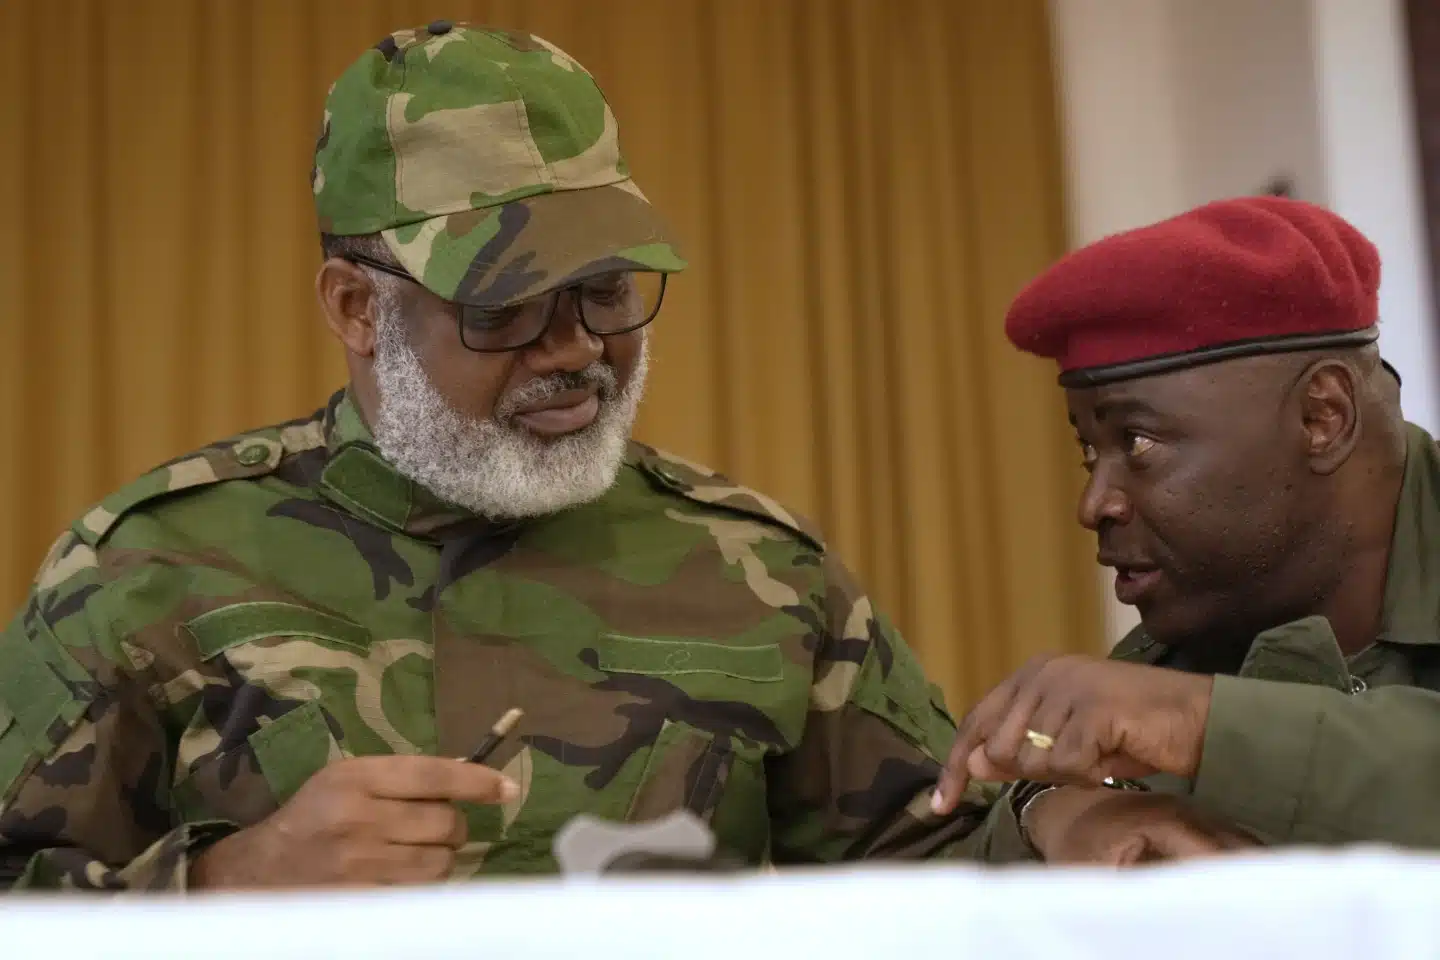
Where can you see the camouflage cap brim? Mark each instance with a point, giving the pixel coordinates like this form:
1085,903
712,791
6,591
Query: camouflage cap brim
521,249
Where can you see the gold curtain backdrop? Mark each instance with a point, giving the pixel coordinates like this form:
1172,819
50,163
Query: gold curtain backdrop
861,185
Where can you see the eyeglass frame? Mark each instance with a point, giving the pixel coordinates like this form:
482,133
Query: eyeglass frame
554,295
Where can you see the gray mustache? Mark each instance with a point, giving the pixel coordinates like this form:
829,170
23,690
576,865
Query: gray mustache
599,375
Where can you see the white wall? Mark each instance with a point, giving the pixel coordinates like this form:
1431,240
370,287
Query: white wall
1244,96
1373,176
1167,104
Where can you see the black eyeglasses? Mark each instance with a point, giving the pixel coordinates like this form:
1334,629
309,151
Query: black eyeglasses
611,303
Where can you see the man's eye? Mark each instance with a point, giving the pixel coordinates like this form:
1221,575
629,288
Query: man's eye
479,320
1135,444
1087,455
605,292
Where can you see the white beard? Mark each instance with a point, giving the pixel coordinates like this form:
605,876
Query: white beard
494,467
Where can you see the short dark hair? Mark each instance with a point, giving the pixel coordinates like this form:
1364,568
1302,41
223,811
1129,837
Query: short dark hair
364,245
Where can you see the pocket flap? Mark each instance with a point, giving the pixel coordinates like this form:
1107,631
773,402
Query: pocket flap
293,748
665,656
218,630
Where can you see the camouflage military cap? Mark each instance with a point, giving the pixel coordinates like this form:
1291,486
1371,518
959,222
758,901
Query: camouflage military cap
490,163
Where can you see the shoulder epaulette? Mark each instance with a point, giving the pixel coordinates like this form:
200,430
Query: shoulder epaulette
703,485
249,455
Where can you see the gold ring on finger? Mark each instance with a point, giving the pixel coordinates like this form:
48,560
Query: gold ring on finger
1040,741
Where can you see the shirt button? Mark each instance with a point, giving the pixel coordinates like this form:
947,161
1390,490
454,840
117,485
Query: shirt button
252,454
1357,685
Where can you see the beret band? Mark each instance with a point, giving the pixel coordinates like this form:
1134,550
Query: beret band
1165,363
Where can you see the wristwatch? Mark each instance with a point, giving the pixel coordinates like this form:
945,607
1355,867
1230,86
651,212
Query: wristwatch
1025,792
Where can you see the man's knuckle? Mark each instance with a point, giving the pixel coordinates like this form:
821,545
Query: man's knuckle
1068,765
1037,661
431,861
1044,662
974,719
459,832
440,823
986,718
1060,670
350,860
1085,706
450,778
486,783
348,772
347,813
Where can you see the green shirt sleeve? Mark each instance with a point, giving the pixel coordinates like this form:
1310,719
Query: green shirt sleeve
997,839
85,765
1305,763
858,785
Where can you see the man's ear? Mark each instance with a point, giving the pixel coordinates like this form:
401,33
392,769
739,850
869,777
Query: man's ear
1330,413
346,293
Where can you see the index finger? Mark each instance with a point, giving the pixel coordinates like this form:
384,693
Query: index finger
409,777
973,730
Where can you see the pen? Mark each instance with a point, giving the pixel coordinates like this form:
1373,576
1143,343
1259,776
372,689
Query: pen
497,733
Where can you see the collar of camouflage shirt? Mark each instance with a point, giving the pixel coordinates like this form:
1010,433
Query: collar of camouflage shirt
357,478
1411,612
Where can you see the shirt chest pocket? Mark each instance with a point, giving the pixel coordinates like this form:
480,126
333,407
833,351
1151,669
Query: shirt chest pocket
698,722
726,706
287,689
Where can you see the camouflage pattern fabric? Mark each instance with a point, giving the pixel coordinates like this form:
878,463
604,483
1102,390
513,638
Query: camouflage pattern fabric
210,636
490,163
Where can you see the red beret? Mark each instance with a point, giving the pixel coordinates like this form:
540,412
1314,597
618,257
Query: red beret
1230,279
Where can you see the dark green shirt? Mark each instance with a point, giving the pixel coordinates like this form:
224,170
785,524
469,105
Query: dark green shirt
1305,745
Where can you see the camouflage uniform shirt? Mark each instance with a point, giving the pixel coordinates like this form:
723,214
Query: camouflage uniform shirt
210,636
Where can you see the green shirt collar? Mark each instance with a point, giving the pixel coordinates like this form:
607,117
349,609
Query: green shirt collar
359,479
